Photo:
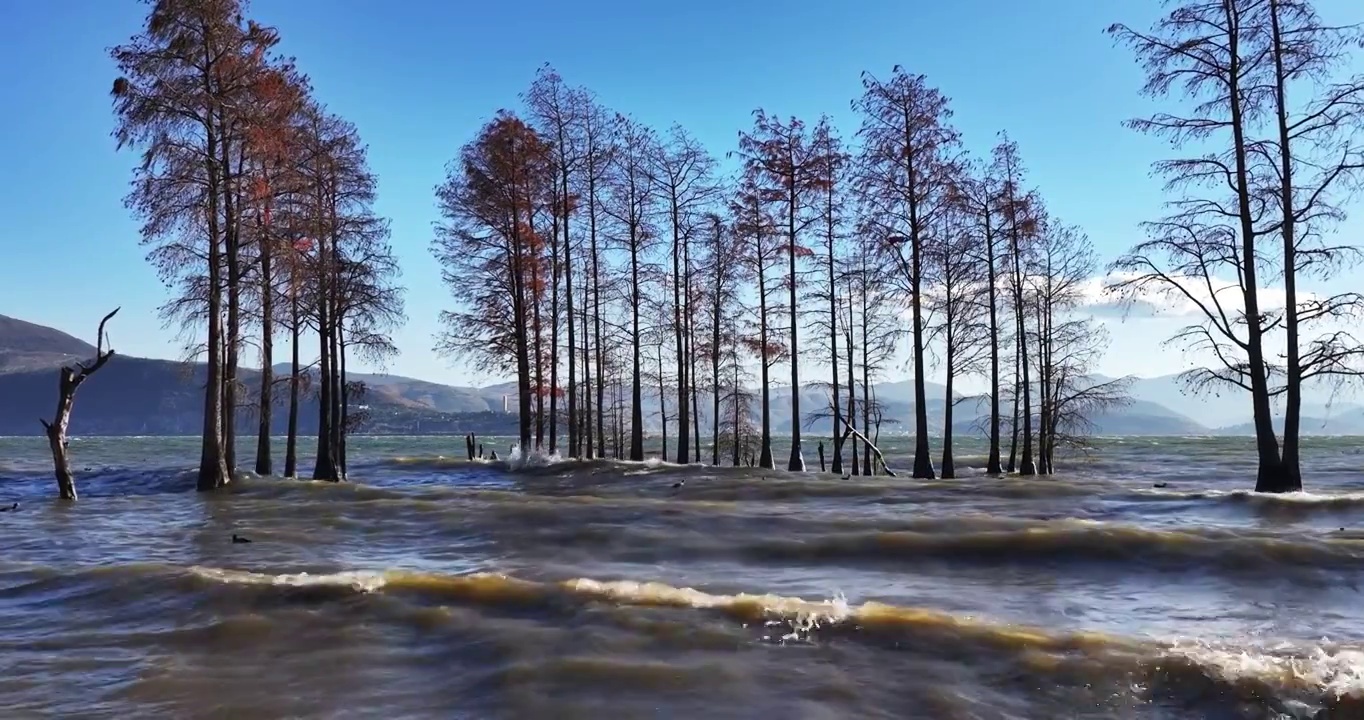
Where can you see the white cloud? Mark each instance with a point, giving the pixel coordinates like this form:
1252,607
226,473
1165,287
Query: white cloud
1169,302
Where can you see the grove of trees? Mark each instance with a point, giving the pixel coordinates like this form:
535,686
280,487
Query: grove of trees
817,249
257,211
1267,118
596,258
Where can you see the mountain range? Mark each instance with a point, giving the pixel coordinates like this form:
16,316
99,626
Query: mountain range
143,396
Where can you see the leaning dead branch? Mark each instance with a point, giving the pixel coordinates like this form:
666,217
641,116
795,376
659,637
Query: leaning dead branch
71,379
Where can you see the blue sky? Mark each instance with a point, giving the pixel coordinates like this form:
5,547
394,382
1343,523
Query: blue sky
419,76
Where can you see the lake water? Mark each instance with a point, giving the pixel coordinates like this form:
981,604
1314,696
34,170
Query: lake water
433,587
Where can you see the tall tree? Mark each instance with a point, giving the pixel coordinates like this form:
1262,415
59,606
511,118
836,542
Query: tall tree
829,206
685,173
558,110
633,203
483,246
959,281
724,276
978,193
908,163
1317,158
1200,49
785,165
184,82
758,232
1068,343
271,149
1020,212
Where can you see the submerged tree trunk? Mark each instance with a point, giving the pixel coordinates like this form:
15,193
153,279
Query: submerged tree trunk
555,270
992,465
232,336
797,461
586,432
213,472
1289,477
851,419
679,313
636,390
291,442
71,379
662,404
264,413
539,363
343,427
765,453
949,467
574,435
596,310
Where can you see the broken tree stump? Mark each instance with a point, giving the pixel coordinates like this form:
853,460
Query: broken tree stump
71,379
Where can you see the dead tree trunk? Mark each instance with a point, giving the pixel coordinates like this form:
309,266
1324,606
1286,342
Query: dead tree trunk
71,379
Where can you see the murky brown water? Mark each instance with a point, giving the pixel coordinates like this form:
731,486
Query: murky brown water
434,588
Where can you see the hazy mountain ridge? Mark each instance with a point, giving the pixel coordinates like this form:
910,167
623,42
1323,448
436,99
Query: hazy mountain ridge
150,397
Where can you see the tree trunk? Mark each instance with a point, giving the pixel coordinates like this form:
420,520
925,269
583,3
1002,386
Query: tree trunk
264,462
1290,477
323,468
738,419
587,436
213,472
765,453
539,364
56,441
1013,426
1026,465
691,351
554,338
343,427
69,380
716,318
797,461
662,404
1270,475
574,436
867,468
596,308
837,397
232,336
683,422
851,419
949,467
291,442
992,465
636,390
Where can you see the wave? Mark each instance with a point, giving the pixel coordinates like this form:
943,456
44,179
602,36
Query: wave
1305,500
1298,681
1079,541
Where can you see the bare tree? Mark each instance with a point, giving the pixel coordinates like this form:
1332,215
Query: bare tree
785,165
686,179
634,195
978,193
70,380
1317,158
1200,49
909,157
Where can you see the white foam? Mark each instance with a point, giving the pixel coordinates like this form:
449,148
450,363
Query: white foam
1333,670
359,580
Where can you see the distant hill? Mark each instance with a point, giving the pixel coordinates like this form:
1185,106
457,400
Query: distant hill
1226,410
26,346
1343,421
143,396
